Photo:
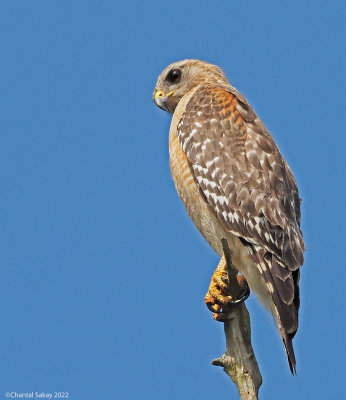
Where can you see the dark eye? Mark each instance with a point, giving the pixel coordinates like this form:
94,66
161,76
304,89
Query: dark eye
174,76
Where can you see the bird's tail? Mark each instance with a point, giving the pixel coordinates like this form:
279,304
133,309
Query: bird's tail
282,284
289,351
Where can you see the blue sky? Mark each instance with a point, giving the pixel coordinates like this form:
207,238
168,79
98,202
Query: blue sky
102,274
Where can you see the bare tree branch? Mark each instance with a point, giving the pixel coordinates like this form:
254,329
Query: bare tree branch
239,361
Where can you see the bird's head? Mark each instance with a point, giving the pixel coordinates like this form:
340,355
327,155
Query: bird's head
180,77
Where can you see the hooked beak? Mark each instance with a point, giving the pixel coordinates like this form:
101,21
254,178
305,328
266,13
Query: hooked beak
161,99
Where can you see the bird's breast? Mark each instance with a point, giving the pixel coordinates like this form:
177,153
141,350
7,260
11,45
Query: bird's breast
199,211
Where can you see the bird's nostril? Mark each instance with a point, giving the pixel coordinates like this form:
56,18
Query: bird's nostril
159,93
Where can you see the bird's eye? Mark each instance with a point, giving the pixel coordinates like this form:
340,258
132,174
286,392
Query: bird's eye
174,76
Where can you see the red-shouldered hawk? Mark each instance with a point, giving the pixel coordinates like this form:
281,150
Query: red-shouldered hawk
235,185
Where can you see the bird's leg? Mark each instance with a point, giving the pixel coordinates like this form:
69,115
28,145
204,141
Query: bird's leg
219,293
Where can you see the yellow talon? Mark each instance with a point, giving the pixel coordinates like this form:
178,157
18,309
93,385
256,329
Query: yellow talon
218,294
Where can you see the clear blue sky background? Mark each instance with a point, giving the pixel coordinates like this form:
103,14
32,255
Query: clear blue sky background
102,274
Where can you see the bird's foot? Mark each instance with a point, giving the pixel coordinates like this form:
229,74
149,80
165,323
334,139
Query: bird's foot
219,294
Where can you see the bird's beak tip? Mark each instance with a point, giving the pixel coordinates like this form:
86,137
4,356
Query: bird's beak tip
160,99
161,102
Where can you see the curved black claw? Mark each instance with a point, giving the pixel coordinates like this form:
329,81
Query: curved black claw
212,309
242,298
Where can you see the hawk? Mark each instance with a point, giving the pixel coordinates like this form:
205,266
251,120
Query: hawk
235,186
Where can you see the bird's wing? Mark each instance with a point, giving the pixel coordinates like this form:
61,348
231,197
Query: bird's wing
241,172
244,178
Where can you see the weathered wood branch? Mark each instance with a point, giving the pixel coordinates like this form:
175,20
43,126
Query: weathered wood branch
239,361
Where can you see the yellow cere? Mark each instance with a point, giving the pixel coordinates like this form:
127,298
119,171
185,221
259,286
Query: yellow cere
160,93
